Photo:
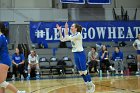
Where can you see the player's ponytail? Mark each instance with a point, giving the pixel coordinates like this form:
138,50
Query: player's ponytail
138,36
3,29
79,28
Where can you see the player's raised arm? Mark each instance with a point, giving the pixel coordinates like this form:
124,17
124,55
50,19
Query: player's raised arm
66,28
66,38
59,28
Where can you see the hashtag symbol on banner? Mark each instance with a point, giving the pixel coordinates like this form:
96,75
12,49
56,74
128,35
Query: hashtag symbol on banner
40,33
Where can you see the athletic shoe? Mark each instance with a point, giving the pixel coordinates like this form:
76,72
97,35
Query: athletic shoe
22,77
13,77
116,72
107,72
138,72
92,88
97,71
28,77
21,92
112,68
87,87
37,77
121,72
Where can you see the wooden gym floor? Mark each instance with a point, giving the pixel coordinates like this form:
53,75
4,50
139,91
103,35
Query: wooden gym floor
116,84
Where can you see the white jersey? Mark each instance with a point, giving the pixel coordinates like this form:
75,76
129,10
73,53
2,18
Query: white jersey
137,43
32,59
91,54
76,41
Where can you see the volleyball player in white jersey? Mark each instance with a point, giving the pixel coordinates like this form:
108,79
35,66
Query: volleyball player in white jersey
79,54
33,62
136,46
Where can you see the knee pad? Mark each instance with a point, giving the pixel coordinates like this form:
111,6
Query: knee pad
84,72
4,84
80,72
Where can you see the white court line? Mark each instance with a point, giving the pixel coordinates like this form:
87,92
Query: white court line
64,86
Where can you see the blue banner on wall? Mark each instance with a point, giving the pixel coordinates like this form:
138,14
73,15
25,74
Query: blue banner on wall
73,1
43,32
99,1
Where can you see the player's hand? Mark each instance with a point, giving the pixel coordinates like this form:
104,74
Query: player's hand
16,65
66,25
58,27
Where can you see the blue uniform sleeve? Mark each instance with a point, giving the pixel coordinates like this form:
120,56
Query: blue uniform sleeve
22,57
0,42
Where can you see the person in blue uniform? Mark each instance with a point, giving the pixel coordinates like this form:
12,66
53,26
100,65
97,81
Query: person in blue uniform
18,63
78,51
104,59
5,63
117,58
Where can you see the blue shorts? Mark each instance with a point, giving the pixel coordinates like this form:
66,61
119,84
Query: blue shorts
138,52
80,60
6,61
